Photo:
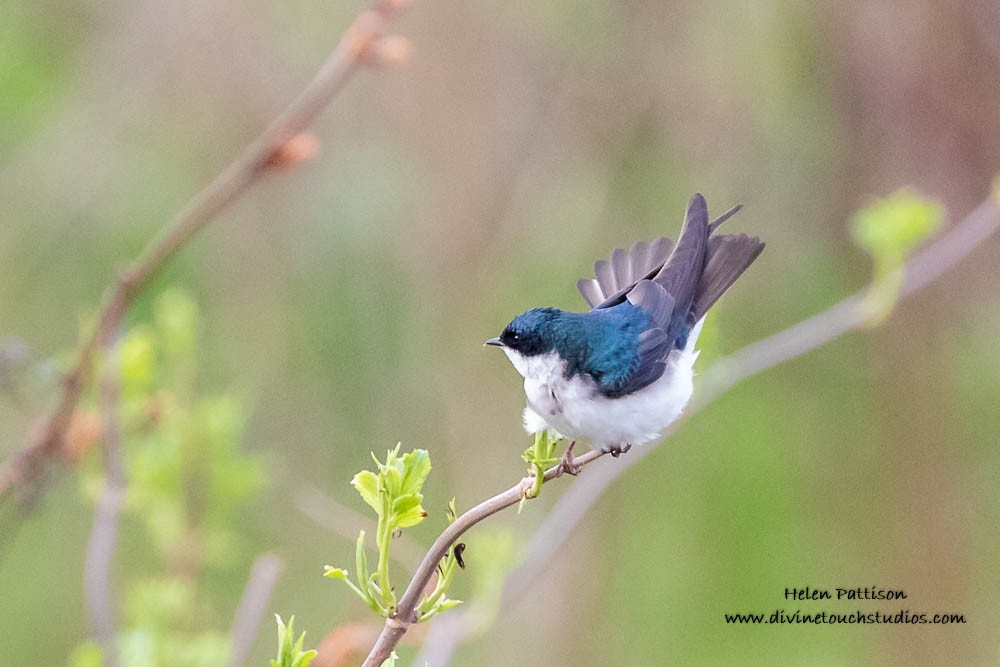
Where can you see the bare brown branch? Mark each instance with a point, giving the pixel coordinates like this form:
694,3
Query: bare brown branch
265,153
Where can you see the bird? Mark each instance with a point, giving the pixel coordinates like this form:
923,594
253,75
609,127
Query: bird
620,373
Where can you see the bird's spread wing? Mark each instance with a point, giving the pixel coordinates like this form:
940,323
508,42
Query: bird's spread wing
674,284
624,270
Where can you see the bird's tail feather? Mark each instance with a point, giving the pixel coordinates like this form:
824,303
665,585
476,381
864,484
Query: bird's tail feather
696,272
682,270
728,256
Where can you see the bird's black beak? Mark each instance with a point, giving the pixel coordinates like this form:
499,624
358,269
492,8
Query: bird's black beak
495,342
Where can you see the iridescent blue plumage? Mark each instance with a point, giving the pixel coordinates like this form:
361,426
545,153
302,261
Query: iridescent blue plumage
605,343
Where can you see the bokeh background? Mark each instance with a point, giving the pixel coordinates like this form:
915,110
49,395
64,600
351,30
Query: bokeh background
345,302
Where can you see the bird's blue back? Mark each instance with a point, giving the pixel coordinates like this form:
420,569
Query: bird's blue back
604,343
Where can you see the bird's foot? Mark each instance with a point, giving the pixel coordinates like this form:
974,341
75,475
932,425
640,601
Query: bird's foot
616,450
566,465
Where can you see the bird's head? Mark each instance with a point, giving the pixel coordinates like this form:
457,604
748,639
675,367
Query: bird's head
528,335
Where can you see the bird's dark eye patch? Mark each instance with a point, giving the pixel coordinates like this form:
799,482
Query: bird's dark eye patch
526,342
510,338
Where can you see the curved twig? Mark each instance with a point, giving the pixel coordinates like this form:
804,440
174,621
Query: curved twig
396,626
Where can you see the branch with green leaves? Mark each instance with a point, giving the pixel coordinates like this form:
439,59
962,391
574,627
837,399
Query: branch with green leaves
394,491
412,606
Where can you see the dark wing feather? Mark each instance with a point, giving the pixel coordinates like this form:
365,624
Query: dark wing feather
728,257
674,284
654,343
621,267
682,270
615,278
655,300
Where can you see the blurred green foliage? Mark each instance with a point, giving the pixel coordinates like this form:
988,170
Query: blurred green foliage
188,483
889,230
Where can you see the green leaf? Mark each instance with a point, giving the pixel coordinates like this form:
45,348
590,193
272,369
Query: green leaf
890,228
284,643
410,518
305,657
528,455
361,562
392,480
404,504
366,484
394,492
290,653
334,572
447,604
391,660
442,605
416,466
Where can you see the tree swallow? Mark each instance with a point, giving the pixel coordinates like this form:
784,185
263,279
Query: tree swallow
620,373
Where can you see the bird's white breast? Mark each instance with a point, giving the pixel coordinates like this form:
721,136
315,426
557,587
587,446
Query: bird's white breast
576,409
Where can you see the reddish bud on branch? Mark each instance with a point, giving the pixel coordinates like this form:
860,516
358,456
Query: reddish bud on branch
303,146
83,432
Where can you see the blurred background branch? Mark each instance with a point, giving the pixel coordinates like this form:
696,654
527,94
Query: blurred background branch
282,145
97,580
253,607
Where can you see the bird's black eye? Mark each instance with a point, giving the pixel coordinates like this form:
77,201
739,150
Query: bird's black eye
510,338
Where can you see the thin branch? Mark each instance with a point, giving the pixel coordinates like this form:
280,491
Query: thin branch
845,316
97,583
256,596
405,615
360,44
